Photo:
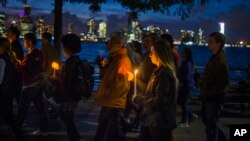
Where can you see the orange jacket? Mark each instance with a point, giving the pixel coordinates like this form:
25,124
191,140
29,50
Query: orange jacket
115,85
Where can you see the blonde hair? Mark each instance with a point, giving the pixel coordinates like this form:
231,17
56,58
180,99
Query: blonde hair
165,55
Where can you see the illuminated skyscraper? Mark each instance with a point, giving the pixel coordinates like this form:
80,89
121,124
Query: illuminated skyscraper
70,28
201,37
26,20
187,36
2,24
222,27
91,27
102,29
40,24
136,31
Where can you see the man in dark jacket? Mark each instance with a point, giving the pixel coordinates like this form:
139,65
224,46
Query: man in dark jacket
6,85
17,54
31,68
213,87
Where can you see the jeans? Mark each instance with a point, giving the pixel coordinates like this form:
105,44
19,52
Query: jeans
109,125
210,116
67,112
6,111
184,97
33,94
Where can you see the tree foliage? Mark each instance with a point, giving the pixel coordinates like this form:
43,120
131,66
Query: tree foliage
5,2
183,9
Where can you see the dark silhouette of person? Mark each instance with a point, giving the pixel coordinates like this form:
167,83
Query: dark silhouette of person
31,68
7,80
49,53
71,44
213,88
186,84
113,90
158,117
17,54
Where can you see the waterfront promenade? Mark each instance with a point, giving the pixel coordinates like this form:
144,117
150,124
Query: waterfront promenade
86,122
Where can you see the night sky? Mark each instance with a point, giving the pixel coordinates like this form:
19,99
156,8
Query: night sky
235,14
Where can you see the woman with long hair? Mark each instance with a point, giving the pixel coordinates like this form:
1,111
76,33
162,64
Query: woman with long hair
186,83
159,103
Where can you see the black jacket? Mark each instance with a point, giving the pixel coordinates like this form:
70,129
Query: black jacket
69,77
8,79
159,103
215,80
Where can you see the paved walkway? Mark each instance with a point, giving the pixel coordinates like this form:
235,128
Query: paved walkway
86,122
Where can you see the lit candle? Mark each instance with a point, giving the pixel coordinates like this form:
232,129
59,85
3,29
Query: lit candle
55,66
135,89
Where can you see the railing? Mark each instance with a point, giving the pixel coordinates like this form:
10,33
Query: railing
235,74
199,69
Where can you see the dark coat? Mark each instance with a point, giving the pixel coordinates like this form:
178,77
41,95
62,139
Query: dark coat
69,78
215,80
31,67
7,84
159,103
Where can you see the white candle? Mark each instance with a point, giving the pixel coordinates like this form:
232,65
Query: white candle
54,73
135,89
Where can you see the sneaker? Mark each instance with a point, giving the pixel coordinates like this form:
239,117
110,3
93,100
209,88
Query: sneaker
38,132
193,117
183,124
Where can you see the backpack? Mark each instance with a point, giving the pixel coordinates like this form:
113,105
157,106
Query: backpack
85,79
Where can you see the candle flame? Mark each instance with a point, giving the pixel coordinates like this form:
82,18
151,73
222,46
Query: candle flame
136,71
55,65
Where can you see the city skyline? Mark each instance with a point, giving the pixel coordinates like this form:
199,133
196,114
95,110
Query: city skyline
236,27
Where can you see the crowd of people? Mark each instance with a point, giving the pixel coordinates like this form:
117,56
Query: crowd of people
164,81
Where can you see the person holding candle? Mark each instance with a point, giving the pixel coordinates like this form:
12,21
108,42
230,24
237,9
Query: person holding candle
113,90
49,53
31,68
16,54
69,82
130,105
158,116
